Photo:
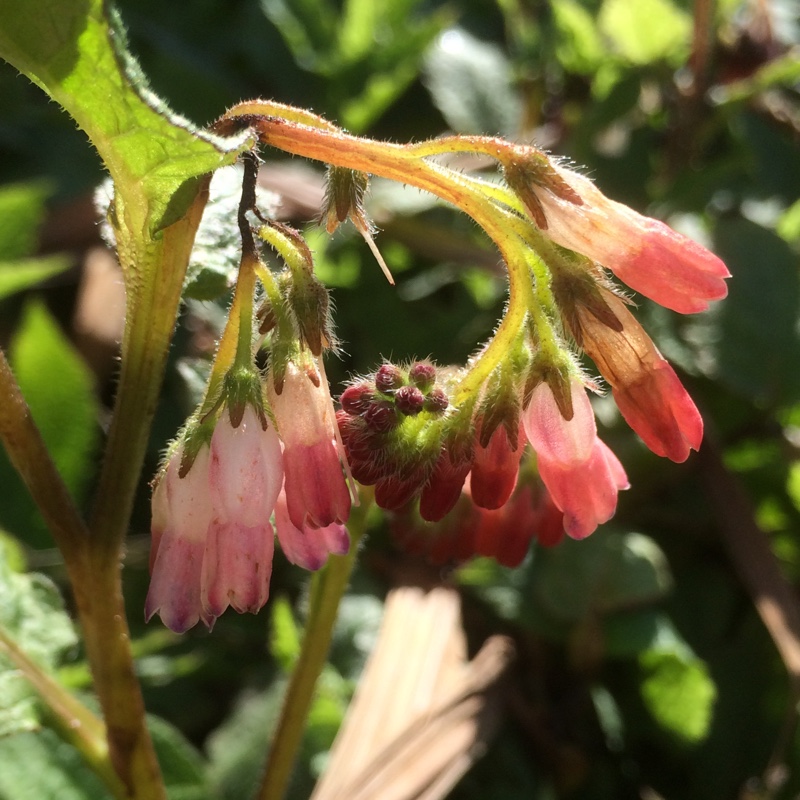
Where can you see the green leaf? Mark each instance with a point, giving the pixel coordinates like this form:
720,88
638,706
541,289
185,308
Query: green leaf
18,275
579,47
284,641
21,212
59,389
181,765
678,691
32,614
604,573
236,748
40,765
647,30
67,48
471,83
759,314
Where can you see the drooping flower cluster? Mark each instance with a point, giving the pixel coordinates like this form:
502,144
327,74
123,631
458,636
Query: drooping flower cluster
212,518
439,445
406,447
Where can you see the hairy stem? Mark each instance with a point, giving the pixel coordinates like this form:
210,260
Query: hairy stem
327,588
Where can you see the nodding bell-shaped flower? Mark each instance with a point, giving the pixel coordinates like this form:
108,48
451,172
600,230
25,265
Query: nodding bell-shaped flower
308,547
494,470
581,474
212,539
646,389
646,254
316,492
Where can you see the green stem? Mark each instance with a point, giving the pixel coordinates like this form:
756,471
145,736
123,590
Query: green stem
406,164
154,270
327,588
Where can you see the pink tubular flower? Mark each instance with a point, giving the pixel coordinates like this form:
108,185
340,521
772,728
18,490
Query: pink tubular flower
645,387
316,492
245,477
646,254
212,539
182,512
494,470
308,547
581,474
586,492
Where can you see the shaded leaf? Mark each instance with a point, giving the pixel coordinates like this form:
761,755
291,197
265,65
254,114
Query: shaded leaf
32,614
647,30
40,765
470,82
759,345
59,389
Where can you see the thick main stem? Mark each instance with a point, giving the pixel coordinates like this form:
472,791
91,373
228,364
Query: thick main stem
154,272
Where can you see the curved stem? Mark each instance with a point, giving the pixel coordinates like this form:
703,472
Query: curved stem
406,164
327,588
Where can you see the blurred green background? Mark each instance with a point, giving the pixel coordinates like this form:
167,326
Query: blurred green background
644,668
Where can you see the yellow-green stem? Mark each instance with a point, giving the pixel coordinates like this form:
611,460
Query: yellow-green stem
404,164
327,588
73,721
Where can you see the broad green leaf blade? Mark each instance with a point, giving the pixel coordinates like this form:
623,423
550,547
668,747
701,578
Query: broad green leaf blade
25,273
21,212
605,573
679,692
758,346
32,614
59,389
647,30
470,82
68,48
181,765
40,765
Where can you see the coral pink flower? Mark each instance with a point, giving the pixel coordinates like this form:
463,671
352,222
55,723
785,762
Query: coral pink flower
308,547
316,491
212,539
585,492
581,474
494,470
645,387
505,533
646,254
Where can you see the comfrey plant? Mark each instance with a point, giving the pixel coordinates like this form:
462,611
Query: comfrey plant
416,432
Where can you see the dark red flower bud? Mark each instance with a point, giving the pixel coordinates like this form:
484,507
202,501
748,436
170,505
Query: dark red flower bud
436,402
394,492
423,375
357,399
381,416
388,378
409,400
444,487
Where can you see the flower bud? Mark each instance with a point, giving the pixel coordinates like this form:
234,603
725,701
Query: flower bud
409,400
388,378
423,375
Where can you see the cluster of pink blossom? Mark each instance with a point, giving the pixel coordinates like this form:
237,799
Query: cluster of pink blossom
225,481
212,531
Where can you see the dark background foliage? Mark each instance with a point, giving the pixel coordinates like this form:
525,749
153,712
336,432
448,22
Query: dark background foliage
644,669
